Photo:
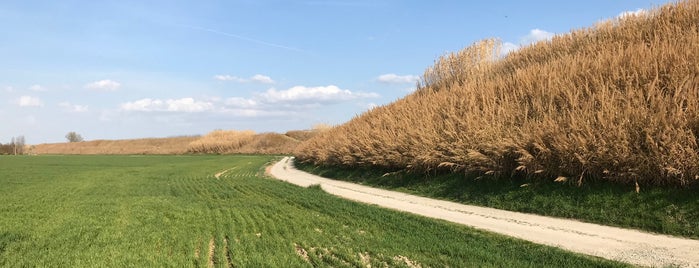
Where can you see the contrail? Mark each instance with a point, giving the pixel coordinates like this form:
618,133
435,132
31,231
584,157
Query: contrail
244,38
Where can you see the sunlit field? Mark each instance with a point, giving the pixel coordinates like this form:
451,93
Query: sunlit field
221,211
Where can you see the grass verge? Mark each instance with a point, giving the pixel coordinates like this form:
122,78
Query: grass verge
156,211
659,210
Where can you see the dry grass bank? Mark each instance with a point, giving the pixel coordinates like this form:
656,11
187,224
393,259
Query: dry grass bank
215,142
243,142
174,145
248,142
618,101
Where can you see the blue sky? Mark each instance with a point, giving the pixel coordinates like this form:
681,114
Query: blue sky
132,69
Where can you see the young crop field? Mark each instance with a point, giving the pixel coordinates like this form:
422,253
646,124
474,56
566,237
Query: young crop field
220,211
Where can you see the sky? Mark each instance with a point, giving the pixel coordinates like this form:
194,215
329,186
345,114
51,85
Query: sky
135,69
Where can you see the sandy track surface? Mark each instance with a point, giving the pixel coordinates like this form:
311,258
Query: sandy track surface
614,243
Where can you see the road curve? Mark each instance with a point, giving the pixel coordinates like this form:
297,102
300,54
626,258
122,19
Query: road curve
630,246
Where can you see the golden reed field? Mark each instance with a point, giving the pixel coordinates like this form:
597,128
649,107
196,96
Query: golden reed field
215,142
618,101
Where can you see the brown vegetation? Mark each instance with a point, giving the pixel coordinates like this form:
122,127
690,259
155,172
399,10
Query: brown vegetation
221,141
174,145
247,142
618,101
215,142
304,135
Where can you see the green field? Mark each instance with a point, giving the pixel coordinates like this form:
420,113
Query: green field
672,211
154,211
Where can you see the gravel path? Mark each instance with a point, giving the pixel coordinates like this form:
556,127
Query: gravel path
631,246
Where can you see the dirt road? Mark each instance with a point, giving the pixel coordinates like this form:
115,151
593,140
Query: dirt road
614,243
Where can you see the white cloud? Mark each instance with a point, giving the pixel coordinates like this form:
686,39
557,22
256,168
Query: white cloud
262,79
274,103
226,77
508,47
369,106
537,35
302,94
29,101
104,85
9,89
37,88
187,105
636,13
397,79
73,107
143,105
258,78
241,102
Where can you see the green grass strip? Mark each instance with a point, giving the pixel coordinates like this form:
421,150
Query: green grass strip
660,210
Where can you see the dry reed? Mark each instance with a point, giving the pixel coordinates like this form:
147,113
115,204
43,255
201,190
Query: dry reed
221,141
618,101
247,142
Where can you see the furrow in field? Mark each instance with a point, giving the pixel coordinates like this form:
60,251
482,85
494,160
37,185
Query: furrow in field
227,251
212,251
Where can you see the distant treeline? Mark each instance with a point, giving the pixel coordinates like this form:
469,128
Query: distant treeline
15,147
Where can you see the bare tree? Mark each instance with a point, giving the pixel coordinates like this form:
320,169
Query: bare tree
19,145
74,137
15,147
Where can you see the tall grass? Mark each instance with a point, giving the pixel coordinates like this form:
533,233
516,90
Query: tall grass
618,101
221,141
248,142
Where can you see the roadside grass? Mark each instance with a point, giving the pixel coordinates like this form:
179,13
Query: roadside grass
146,211
660,210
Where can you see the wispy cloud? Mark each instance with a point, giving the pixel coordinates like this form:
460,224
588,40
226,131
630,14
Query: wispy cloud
397,79
258,78
317,95
262,79
638,12
535,35
104,85
241,103
508,47
73,107
244,38
187,105
29,101
37,88
269,102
